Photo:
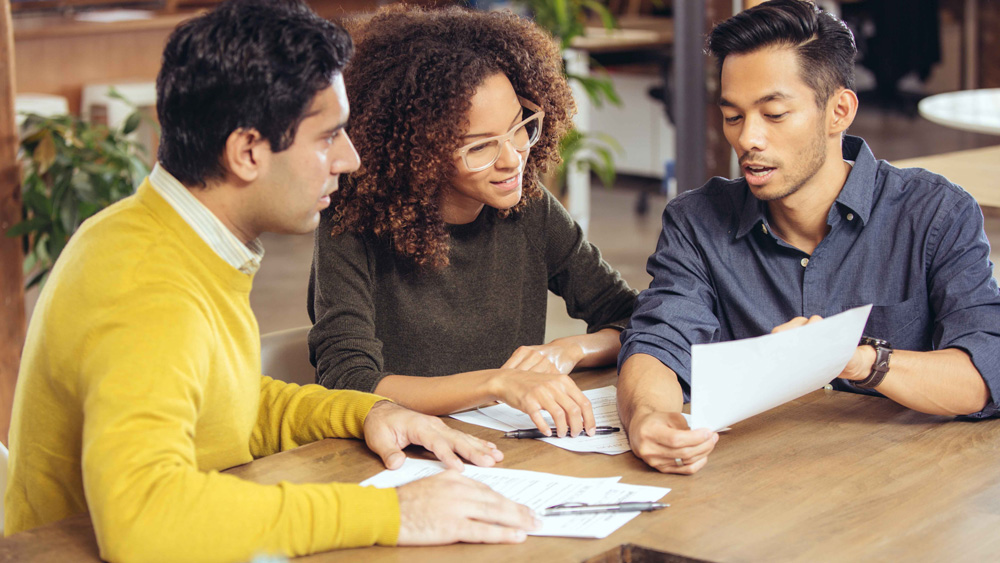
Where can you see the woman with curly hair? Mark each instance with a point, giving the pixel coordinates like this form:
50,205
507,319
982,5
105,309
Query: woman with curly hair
431,267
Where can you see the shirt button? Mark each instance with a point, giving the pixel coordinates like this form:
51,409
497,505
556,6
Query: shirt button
828,387
805,262
850,216
764,228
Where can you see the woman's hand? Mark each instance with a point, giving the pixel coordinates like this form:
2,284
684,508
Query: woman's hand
532,392
546,358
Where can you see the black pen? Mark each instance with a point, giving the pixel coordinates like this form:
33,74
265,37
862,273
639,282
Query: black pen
536,433
571,508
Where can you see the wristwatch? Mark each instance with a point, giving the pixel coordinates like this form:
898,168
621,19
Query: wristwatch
883,350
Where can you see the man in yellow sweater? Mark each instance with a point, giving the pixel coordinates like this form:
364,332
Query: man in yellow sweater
140,377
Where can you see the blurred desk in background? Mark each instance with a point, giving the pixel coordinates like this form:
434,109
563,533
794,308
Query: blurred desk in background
969,110
977,170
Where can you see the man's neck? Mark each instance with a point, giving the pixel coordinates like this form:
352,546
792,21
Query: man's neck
800,219
221,201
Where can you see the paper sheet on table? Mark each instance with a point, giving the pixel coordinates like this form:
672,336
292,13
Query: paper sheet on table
604,402
540,490
732,381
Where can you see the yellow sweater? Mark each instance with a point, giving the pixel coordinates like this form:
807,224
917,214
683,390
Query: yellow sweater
140,380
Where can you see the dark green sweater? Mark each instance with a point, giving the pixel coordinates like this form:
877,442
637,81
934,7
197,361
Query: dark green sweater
374,314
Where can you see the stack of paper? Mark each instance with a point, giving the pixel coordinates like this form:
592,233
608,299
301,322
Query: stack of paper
539,491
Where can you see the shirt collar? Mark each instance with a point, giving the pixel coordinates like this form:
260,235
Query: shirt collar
244,257
857,193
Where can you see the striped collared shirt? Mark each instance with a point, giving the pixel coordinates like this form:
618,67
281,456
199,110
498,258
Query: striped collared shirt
244,257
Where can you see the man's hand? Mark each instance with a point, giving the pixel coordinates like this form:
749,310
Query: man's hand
389,428
448,508
531,392
546,358
860,364
662,438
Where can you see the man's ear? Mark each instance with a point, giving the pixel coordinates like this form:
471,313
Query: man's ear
245,153
843,108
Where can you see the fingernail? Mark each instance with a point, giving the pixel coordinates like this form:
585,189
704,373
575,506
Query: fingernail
520,535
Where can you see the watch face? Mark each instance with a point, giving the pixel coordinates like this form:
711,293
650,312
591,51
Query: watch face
874,342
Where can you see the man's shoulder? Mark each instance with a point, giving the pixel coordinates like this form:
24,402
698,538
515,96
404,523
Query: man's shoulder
720,199
919,186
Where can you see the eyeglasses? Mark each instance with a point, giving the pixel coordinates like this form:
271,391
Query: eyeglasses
481,154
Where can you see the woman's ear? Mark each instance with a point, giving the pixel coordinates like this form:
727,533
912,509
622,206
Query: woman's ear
245,154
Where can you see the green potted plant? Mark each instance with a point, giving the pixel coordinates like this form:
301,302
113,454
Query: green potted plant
567,20
71,169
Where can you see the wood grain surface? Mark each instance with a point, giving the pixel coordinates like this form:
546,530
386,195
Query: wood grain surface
829,477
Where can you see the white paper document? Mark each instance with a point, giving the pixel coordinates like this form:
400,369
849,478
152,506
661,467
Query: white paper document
538,491
732,381
604,402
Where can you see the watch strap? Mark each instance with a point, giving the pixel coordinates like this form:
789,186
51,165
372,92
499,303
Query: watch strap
883,351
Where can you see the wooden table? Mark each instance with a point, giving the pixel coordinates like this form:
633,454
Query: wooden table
977,170
829,477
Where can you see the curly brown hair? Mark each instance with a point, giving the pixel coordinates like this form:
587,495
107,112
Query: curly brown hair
413,71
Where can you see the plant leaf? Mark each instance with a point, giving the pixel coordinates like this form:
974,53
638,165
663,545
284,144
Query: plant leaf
131,123
27,226
45,153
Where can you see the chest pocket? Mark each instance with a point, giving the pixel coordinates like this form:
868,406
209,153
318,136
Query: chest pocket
906,325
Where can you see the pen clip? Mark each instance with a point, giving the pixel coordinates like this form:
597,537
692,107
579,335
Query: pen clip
567,505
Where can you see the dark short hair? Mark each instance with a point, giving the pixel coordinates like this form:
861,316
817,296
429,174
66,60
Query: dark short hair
248,64
824,44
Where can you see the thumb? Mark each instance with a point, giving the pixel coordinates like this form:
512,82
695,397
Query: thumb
392,456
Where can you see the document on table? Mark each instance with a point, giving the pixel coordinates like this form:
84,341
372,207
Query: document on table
604,402
538,491
732,381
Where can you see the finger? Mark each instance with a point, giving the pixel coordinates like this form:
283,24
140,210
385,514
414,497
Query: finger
479,452
392,456
479,532
558,416
443,449
694,451
586,409
794,323
490,507
674,439
540,422
573,413
814,319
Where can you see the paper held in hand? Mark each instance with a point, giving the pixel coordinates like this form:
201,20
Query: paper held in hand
732,381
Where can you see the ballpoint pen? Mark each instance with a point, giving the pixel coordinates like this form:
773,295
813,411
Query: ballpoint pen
536,433
570,508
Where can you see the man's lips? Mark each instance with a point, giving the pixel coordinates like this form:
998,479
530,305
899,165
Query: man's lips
758,174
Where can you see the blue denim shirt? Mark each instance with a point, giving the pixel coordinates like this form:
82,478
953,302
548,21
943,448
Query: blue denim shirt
907,241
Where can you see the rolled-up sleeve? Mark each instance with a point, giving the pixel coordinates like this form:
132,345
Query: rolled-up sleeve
964,293
677,311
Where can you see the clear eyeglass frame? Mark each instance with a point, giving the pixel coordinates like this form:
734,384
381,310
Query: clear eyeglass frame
537,115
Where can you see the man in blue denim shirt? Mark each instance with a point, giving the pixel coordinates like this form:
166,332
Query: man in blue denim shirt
814,227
